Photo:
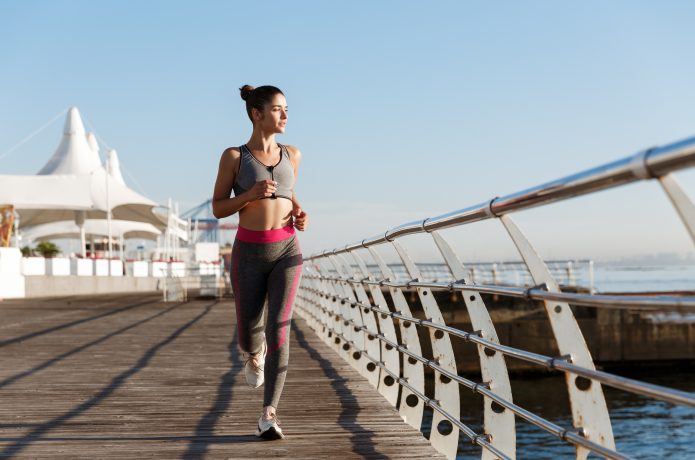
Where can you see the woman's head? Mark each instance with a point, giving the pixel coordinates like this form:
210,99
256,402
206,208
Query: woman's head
265,105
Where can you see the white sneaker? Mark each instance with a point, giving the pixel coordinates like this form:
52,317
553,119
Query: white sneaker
268,428
253,366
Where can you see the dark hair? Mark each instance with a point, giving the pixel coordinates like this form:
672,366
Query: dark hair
258,97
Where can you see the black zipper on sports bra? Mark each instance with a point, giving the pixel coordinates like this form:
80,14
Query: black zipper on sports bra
268,168
272,177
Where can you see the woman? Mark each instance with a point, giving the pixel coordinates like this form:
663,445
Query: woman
266,258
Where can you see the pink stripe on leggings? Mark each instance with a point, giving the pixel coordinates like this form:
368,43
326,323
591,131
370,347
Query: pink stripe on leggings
237,296
264,236
290,300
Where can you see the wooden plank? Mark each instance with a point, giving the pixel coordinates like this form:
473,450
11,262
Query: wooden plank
128,376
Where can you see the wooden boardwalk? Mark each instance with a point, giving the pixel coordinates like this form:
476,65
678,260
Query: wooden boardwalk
129,376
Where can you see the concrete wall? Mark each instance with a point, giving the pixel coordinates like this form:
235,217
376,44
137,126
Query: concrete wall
53,286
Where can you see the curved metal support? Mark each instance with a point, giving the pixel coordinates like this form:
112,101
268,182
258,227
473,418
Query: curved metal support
347,314
446,391
333,307
498,422
389,355
411,406
317,316
683,204
307,289
589,411
344,290
364,319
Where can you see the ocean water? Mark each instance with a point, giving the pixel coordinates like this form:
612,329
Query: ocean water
601,277
643,428
632,278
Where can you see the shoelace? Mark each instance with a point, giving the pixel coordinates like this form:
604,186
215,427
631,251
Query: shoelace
254,361
274,417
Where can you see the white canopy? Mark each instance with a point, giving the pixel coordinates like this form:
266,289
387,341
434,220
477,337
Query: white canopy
43,199
74,181
74,154
114,167
69,229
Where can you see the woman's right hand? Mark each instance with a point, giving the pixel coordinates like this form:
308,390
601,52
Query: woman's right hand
262,189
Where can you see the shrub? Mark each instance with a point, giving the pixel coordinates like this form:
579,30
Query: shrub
47,249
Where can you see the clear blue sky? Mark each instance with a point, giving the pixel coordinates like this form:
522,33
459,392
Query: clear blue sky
403,110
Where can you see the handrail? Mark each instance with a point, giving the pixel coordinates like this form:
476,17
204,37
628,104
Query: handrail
621,383
484,389
343,302
629,302
654,162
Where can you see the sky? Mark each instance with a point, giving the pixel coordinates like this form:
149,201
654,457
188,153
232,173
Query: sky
402,110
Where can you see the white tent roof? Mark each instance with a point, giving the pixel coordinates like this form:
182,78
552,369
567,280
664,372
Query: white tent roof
42,199
74,180
74,154
69,229
114,167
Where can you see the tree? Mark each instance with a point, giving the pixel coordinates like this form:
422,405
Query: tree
47,249
27,251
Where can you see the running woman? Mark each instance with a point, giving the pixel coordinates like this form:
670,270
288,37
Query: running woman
266,258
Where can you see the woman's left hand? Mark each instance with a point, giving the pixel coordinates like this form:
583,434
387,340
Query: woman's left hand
300,218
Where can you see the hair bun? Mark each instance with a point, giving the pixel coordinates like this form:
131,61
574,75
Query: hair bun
246,91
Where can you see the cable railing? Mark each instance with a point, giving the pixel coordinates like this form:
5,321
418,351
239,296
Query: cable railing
343,298
510,273
205,281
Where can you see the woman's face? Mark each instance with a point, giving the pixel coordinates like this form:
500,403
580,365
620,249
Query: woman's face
274,116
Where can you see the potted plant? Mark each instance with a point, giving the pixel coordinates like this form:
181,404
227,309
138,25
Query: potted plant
54,265
47,249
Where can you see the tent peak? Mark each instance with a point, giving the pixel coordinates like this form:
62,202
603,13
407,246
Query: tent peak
75,153
113,166
92,141
73,122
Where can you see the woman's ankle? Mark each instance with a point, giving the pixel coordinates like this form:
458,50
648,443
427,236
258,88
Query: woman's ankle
268,412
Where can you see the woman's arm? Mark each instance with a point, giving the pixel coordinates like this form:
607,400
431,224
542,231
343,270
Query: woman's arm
300,217
222,204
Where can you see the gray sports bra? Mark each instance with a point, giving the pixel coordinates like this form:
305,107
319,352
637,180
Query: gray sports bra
251,171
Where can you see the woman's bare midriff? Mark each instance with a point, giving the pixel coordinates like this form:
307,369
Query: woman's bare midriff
266,214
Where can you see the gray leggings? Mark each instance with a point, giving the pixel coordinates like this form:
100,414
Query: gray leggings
266,264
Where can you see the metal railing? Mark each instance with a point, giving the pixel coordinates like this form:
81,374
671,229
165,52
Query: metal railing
511,273
342,298
175,285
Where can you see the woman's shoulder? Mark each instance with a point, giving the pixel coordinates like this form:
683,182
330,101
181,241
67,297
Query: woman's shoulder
230,159
293,151
232,151
231,154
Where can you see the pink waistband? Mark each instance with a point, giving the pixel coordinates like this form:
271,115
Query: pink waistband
264,236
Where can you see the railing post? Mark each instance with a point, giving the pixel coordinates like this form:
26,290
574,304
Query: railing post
389,356
344,290
499,422
410,407
317,318
571,281
683,204
334,289
589,411
361,318
443,436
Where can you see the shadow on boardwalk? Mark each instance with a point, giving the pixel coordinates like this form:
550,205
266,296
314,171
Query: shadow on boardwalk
361,438
39,431
128,377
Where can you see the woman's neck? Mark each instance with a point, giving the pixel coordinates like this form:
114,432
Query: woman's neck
262,141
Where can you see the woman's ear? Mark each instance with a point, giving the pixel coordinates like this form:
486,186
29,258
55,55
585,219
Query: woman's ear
256,114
